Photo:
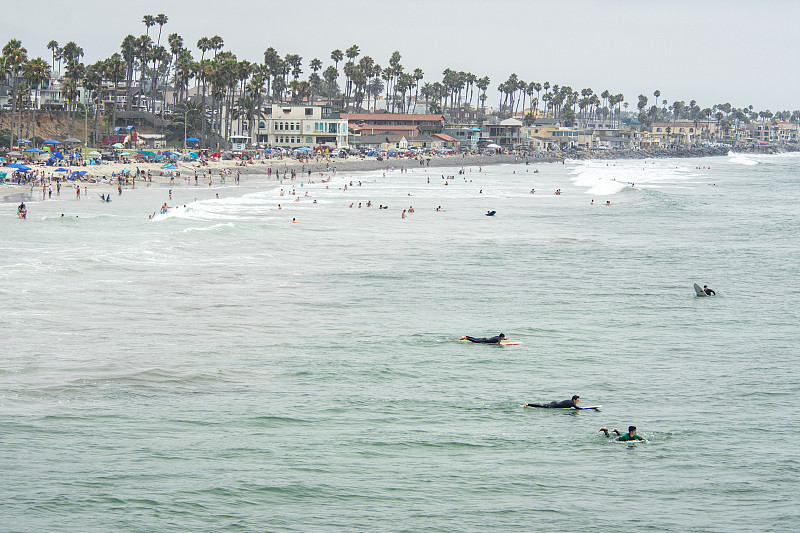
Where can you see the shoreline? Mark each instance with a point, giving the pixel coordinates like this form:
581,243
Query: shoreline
100,175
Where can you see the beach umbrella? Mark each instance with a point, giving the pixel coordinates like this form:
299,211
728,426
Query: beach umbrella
24,169
23,141
493,146
59,169
13,153
94,152
166,152
193,140
215,154
14,165
304,149
57,155
169,167
33,150
51,141
118,145
73,154
72,140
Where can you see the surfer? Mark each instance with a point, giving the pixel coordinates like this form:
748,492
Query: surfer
708,291
485,340
630,435
563,404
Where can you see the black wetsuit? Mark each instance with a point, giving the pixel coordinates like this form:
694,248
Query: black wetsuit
484,340
564,404
709,292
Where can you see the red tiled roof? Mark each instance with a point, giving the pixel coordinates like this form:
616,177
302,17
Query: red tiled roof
361,117
444,137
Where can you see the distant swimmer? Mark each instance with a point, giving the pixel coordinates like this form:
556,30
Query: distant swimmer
563,404
708,291
490,213
630,435
485,340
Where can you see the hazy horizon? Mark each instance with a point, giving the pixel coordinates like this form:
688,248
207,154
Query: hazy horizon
688,50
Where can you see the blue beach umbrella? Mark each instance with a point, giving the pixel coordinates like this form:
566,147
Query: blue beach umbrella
14,165
23,141
61,170
193,140
51,141
23,168
33,150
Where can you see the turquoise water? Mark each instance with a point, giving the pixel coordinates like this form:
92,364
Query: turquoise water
222,369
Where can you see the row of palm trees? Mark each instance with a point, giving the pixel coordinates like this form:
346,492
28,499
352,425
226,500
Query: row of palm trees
230,90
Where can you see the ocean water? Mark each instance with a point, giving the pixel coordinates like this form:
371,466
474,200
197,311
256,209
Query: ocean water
219,368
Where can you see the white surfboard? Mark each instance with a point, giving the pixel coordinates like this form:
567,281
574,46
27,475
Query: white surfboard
699,290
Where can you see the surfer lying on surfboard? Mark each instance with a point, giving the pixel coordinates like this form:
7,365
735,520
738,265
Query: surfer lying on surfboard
563,404
630,435
485,340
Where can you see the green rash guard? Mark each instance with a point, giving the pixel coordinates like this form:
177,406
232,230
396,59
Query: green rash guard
627,437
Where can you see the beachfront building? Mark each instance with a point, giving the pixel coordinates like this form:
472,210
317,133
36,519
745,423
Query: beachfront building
380,142
297,126
769,132
426,124
466,135
671,133
506,133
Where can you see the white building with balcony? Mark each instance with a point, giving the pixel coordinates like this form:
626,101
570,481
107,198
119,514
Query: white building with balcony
295,126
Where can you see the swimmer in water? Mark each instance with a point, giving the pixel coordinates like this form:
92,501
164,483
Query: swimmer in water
708,291
484,340
630,435
563,404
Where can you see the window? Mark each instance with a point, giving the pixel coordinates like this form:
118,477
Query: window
286,111
309,140
268,111
309,111
262,125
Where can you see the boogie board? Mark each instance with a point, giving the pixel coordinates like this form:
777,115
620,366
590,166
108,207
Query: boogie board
699,290
569,408
503,343
491,213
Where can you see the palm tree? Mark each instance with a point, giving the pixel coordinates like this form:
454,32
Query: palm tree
149,21
128,48
144,45
36,71
217,43
115,71
336,56
53,47
15,57
329,75
94,83
160,19
418,77
75,73
483,84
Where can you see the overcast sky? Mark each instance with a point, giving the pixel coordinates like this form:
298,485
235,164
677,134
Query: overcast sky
738,51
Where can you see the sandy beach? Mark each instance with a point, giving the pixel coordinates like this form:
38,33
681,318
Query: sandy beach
106,172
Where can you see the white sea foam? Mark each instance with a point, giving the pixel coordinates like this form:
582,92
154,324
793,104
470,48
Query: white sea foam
605,178
741,159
